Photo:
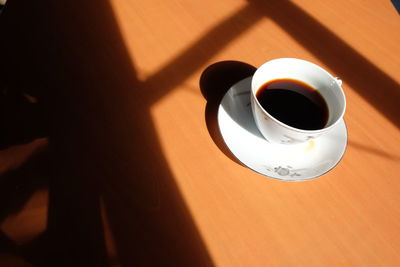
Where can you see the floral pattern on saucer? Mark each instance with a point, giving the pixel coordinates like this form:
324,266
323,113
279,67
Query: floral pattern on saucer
285,171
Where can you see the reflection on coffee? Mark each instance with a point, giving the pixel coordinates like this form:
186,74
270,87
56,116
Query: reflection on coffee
294,103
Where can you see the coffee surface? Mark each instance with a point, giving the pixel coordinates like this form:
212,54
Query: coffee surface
294,103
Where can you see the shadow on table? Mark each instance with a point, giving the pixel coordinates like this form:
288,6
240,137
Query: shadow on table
103,146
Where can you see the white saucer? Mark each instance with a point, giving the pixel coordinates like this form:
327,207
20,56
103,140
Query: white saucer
294,162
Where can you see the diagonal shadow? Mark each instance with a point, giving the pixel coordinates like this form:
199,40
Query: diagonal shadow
208,45
370,82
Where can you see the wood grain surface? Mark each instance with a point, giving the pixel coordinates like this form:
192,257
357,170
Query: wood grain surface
133,170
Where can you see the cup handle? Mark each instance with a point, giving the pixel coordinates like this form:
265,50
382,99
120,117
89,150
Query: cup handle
338,81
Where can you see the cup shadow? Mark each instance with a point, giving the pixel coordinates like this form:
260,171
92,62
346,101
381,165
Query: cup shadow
215,81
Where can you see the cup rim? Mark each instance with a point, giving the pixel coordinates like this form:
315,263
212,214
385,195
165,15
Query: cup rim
253,93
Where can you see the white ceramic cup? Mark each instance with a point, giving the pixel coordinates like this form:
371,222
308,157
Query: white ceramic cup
328,86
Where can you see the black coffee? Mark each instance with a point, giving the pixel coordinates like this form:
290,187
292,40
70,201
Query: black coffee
294,103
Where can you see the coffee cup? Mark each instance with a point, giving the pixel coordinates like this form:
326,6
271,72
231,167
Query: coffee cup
294,100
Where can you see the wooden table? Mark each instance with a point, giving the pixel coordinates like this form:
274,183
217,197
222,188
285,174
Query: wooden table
133,154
